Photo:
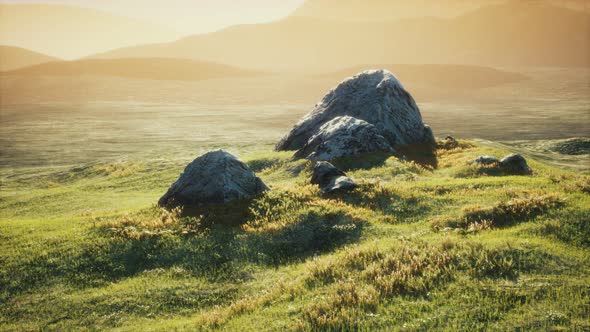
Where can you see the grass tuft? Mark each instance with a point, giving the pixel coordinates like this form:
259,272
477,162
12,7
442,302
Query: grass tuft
505,213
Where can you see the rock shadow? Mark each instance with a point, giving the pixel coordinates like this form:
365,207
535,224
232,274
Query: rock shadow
364,161
221,252
421,154
385,201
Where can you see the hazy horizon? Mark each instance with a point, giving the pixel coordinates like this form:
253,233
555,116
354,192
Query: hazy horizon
179,15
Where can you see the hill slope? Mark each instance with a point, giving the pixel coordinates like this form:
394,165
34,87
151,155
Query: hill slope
70,32
454,248
142,68
15,57
523,35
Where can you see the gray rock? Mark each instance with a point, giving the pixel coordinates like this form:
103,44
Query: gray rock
486,160
331,179
428,137
374,96
215,177
341,137
515,164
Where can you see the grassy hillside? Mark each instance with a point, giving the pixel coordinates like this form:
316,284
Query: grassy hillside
413,248
15,57
137,68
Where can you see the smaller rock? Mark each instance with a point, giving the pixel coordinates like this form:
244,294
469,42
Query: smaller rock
515,164
343,136
486,160
331,179
216,177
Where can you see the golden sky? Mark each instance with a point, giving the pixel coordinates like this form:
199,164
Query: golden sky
188,16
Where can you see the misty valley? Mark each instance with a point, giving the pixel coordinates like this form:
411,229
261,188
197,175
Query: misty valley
63,121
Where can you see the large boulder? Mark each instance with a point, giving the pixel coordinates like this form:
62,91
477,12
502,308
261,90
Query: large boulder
515,164
215,177
331,179
341,137
374,96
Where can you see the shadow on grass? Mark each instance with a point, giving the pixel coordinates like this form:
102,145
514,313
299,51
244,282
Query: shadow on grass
314,233
387,202
220,253
422,154
570,225
366,161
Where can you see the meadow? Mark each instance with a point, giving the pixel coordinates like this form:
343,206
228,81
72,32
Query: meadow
414,248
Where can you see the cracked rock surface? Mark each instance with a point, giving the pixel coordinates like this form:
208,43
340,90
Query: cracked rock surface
215,177
341,137
374,96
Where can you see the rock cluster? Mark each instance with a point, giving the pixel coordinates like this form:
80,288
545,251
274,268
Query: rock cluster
215,177
512,164
331,179
376,105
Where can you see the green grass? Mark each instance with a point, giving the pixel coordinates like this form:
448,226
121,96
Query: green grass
413,248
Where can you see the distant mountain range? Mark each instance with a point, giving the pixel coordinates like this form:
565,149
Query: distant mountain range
432,76
509,34
15,57
386,10
319,37
137,68
440,76
71,32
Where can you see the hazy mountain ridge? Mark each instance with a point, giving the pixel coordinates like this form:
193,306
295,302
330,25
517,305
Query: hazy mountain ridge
497,35
140,68
373,10
442,76
72,32
15,57
358,10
